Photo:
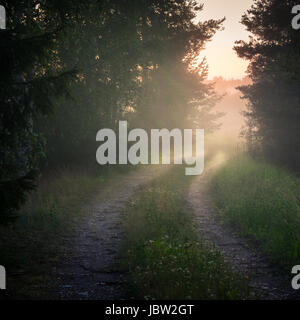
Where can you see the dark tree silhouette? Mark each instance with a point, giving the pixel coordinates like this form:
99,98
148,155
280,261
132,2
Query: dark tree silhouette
28,81
133,62
274,98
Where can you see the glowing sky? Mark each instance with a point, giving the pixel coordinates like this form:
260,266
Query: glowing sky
221,58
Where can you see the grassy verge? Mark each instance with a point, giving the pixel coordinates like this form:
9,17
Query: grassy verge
262,202
37,239
165,257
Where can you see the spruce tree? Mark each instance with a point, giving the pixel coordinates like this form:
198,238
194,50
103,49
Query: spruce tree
274,98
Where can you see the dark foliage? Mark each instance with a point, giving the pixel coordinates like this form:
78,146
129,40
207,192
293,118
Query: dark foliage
28,82
13,195
274,97
132,59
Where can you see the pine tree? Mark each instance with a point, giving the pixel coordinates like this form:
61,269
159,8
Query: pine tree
28,81
274,99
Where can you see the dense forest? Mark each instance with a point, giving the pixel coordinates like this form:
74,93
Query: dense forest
273,96
70,68
73,229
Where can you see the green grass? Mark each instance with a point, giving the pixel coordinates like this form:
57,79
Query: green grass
37,239
164,255
261,201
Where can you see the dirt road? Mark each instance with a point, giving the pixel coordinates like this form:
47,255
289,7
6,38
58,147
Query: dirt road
91,269
267,280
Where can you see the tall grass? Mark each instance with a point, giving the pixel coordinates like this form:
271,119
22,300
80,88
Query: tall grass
163,252
261,201
37,239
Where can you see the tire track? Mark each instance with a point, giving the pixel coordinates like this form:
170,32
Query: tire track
91,269
266,280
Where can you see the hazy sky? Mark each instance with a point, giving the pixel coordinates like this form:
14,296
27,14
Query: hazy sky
221,58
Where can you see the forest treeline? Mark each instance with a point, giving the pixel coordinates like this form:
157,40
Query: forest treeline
273,97
70,68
